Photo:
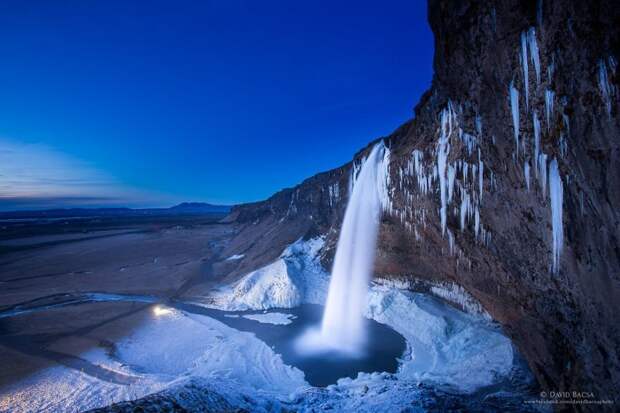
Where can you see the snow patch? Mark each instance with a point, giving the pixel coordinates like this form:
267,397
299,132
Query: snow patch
235,257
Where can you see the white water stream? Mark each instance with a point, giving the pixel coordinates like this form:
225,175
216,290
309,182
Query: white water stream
343,326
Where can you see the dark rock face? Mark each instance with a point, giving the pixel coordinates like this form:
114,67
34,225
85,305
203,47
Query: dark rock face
193,396
565,324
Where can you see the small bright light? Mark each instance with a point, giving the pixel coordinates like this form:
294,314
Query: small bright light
159,311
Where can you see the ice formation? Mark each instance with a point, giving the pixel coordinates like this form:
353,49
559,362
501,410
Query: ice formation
334,193
531,38
271,318
536,124
514,107
526,174
542,173
563,145
480,175
539,12
459,183
608,90
524,66
549,96
556,194
528,41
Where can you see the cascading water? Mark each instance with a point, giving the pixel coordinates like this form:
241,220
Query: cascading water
343,328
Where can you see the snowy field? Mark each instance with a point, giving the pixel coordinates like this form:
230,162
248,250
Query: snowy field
447,349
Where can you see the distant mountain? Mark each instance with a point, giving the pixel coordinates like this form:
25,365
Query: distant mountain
185,208
199,207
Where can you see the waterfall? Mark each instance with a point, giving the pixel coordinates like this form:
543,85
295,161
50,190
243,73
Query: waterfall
343,326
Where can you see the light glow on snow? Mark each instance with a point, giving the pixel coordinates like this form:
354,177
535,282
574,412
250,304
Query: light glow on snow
160,311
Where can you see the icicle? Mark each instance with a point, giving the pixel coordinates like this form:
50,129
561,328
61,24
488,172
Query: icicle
531,37
476,221
566,124
479,125
525,68
539,13
474,169
464,208
514,106
536,123
451,176
542,173
526,173
607,90
556,194
450,242
563,145
549,95
550,71
469,141
480,175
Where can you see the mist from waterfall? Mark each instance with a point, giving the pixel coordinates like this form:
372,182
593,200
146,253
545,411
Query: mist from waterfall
343,325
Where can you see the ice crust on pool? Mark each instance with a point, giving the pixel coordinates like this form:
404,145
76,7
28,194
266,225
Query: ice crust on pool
445,345
271,318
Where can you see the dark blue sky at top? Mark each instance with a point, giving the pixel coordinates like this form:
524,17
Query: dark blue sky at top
220,101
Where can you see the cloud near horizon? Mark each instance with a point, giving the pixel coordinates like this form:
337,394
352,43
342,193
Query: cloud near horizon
36,176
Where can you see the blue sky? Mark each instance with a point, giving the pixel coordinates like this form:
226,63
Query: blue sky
153,103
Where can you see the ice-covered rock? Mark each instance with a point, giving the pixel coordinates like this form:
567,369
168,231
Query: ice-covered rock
294,278
446,346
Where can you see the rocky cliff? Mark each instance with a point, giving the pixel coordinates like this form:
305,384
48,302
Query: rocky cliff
506,182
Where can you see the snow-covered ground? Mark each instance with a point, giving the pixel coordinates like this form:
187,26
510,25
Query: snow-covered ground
168,350
446,349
